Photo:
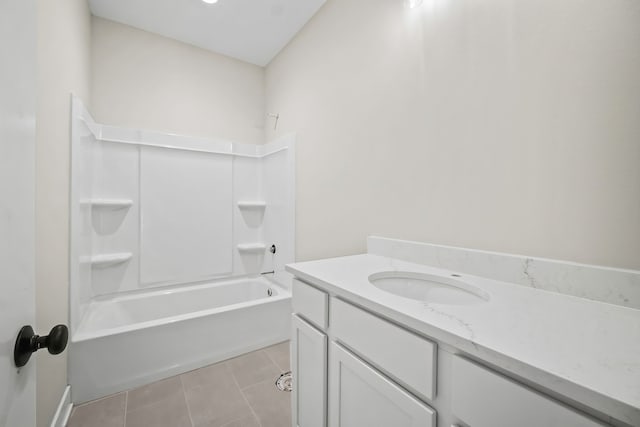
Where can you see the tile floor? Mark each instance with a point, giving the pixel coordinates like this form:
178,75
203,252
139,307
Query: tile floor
238,392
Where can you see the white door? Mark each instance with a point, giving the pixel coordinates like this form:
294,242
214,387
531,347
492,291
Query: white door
17,198
309,367
359,396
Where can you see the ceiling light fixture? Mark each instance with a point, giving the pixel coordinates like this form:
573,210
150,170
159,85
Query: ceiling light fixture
413,3
210,1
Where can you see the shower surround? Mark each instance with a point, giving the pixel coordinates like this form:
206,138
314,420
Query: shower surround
169,237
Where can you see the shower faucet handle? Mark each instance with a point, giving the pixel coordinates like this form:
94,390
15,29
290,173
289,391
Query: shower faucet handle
272,249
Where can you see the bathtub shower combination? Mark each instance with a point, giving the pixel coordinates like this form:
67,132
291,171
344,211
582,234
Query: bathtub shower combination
178,247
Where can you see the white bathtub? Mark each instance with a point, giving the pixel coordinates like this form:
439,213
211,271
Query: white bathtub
128,341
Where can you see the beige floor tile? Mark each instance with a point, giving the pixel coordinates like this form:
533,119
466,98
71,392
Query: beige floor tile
279,353
253,368
168,412
154,393
273,407
248,421
215,406
207,376
206,397
107,412
213,396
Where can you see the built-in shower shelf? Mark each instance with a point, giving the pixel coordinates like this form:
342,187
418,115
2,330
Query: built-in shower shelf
108,260
111,204
252,247
252,204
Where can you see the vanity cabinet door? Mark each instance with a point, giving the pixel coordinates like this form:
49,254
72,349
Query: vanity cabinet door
361,397
309,366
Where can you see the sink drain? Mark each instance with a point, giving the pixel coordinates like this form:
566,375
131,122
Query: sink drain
283,383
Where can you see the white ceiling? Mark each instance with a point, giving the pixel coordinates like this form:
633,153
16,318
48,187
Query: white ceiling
250,30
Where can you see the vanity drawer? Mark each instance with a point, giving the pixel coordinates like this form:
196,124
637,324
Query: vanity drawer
402,355
483,398
310,303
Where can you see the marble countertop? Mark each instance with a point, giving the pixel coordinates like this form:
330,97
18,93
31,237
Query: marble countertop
584,350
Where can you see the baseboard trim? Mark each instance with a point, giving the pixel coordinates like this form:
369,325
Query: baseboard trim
61,417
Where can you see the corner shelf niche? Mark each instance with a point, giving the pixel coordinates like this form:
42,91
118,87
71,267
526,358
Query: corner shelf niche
252,204
252,248
109,260
110,204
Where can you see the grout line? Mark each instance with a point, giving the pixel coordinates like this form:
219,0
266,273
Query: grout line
244,397
260,383
96,401
274,362
126,406
282,369
270,359
234,420
100,399
184,393
264,353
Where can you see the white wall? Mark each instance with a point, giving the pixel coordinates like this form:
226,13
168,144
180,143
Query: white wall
63,67
502,125
142,80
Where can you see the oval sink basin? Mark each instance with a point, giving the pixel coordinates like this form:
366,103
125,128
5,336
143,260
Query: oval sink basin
428,288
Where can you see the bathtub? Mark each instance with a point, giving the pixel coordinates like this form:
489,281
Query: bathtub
131,340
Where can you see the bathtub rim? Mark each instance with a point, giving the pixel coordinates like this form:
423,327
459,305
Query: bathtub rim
282,293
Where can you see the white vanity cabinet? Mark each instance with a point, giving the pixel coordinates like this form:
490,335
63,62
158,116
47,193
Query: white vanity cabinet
367,375
354,368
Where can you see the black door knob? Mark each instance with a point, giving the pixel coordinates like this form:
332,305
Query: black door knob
28,342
